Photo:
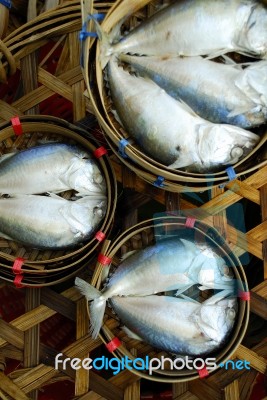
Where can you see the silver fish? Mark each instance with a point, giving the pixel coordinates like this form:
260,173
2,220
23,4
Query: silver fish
50,222
169,323
169,131
50,168
168,265
195,27
220,93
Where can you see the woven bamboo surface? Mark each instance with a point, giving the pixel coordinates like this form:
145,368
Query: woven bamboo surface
44,303
39,323
40,65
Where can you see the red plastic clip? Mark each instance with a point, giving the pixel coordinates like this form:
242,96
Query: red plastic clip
17,281
203,372
16,269
100,236
190,222
101,151
16,124
104,260
244,295
113,344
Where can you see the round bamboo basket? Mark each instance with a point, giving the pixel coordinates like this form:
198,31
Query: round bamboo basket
143,235
143,165
41,265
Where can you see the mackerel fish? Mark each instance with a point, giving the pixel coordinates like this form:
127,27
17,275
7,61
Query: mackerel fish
173,264
50,222
179,326
53,167
193,28
169,130
220,93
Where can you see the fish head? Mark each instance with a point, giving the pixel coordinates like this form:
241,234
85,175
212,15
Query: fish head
216,320
254,34
88,179
84,215
222,144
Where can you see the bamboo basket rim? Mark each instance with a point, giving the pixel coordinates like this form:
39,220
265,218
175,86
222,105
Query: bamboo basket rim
143,163
63,19
52,125
110,250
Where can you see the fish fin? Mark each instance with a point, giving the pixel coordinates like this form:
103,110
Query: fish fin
97,306
53,195
183,289
131,334
97,310
3,236
181,162
186,107
237,111
5,157
106,40
216,54
128,254
190,246
91,199
116,116
219,296
189,299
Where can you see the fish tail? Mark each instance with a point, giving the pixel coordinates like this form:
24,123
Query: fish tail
106,43
107,40
97,306
97,311
89,291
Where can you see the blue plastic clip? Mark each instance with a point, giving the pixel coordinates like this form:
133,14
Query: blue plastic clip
84,34
122,144
159,181
231,173
6,3
231,176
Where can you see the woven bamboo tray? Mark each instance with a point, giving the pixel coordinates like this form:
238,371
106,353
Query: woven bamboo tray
40,65
144,166
43,267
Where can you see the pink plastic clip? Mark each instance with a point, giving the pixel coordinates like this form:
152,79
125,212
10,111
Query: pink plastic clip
17,281
100,236
16,269
104,260
16,124
244,295
190,222
101,151
113,344
203,372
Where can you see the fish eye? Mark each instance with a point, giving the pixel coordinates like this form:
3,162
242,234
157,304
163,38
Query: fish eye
97,211
237,152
